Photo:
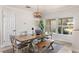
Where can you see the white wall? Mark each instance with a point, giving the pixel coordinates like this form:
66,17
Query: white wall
24,20
0,26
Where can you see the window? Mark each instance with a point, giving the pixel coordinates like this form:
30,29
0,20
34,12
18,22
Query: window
65,25
60,25
50,26
53,26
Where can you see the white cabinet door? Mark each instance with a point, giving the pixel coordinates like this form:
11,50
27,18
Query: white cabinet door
75,42
8,26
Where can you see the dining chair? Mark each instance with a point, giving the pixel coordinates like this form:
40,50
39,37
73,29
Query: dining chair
17,46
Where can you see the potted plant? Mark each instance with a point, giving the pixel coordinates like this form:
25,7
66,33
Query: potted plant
41,26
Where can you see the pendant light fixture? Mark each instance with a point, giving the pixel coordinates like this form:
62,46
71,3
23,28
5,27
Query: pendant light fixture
37,13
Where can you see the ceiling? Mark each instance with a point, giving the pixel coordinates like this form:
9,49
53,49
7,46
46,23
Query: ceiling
47,8
41,7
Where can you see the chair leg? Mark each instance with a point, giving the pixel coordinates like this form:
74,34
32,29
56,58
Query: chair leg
13,50
31,47
39,50
18,50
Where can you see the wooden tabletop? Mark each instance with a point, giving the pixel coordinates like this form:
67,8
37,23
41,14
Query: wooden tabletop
26,38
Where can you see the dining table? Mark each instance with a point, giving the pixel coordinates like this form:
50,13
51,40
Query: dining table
29,38
22,38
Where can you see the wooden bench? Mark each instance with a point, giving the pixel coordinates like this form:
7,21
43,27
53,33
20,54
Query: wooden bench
46,44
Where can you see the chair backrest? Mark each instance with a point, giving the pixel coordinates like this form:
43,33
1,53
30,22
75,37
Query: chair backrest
38,32
13,40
